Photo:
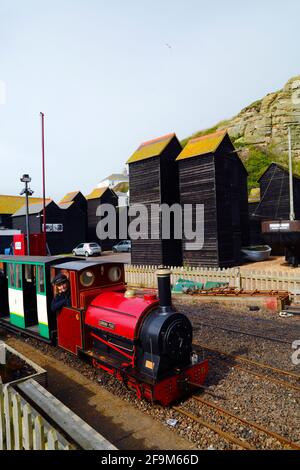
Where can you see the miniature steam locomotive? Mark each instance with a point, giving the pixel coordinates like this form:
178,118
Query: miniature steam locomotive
140,339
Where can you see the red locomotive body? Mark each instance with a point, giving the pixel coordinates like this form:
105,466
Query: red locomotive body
141,340
114,332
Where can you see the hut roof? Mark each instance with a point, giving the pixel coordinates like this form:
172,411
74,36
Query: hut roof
202,145
254,195
32,209
69,197
121,188
282,167
151,148
10,204
97,193
65,205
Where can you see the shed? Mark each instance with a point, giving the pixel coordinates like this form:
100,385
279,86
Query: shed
75,206
9,205
97,197
153,179
54,223
211,173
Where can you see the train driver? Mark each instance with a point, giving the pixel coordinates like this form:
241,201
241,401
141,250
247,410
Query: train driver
62,296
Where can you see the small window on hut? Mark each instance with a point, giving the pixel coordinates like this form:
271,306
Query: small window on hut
28,272
11,276
18,276
41,280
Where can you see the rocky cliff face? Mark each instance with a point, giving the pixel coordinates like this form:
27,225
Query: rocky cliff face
265,122
260,130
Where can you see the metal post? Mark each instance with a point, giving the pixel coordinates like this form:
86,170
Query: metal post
292,211
44,181
28,192
27,220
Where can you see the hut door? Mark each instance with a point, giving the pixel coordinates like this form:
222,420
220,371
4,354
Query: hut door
42,307
15,295
29,289
4,309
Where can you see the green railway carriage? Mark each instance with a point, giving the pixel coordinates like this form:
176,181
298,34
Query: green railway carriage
26,294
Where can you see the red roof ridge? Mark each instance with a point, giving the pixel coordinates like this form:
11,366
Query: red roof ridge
158,139
203,137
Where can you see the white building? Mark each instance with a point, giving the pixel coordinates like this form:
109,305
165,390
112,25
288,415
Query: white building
114,180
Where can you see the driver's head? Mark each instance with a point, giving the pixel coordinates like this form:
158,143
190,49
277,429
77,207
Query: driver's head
61,283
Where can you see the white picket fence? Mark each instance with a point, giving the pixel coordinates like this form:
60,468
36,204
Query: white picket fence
144,276
22,428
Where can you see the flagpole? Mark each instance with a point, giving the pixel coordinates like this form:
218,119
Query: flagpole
44,183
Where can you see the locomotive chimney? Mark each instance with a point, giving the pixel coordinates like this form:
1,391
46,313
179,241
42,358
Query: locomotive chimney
164,289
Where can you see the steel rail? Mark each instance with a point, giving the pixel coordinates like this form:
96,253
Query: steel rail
227,436
267,378
250,361
267,338
258,427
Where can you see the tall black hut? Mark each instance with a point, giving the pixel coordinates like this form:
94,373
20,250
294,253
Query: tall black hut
153,179
74,206
274,194
211,173
97,197
274,203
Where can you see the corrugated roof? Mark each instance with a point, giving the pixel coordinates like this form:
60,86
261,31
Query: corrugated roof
69,197
10,204
33,209
151,148
97,193
254,195
202,145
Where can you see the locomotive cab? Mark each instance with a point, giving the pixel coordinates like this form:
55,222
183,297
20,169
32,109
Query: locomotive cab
87,279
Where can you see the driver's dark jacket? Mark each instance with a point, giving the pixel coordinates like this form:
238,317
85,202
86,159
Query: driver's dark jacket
60,301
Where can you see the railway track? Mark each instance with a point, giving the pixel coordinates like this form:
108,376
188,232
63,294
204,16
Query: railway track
254,430
250,362
245,333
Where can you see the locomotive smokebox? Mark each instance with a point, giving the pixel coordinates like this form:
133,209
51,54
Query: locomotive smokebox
164,290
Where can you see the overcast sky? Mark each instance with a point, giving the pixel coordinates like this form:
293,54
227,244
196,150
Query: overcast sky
111,74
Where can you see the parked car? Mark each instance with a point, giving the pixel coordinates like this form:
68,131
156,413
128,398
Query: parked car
87,249
122,247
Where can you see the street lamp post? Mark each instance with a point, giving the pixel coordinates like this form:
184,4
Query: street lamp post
28,192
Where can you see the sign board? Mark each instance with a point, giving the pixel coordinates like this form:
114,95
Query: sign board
54,228
280,226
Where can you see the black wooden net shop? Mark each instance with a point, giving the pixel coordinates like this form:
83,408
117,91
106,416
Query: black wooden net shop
153,179
97,197
211,173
